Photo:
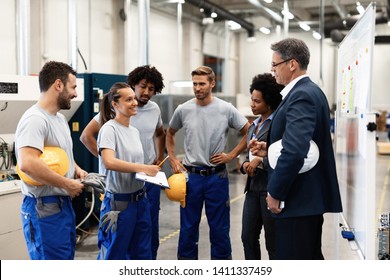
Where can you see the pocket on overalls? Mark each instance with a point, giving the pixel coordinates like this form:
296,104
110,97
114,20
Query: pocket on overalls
47,209
119,205
31,236
28,229
223,174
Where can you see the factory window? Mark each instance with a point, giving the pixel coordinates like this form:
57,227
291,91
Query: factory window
216,64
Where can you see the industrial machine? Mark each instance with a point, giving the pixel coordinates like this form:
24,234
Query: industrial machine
384,236
95,85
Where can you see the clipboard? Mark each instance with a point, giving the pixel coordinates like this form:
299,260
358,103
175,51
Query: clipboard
160,179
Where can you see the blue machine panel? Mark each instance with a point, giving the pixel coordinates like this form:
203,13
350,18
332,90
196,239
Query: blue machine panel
92,83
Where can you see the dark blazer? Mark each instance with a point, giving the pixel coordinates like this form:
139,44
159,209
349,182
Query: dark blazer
303,115
259,181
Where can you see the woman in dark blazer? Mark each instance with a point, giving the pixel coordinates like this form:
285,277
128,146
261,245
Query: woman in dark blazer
265,98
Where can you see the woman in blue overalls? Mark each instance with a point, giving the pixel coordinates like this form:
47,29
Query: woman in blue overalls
125,226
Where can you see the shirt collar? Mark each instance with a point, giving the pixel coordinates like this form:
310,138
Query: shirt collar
256,121
289,87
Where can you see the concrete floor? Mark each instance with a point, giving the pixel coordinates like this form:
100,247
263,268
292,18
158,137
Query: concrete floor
334,247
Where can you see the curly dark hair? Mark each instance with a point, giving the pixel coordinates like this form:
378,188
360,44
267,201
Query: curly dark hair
266,83
150,74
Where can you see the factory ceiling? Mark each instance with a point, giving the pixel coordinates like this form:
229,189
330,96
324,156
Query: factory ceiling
337,14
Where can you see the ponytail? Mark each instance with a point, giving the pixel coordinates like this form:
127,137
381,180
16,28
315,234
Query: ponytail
107,111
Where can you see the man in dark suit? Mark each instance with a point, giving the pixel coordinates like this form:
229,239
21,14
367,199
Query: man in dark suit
299,200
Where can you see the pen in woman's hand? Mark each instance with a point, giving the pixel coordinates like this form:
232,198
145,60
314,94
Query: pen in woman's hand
161,163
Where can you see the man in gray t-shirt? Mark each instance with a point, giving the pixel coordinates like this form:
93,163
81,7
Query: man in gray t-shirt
206,121
47,214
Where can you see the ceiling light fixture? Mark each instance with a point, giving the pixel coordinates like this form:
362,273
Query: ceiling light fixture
214,14
304,26
207,20
268,1
265,30
360,8
287,14
317,35
234,25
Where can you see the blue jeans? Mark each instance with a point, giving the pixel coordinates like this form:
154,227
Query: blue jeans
213,191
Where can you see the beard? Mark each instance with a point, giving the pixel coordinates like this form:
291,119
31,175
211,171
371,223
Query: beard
203,95
142,101
63,100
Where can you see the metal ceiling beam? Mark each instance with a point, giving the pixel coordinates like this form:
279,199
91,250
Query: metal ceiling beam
271,13
339,8
225,14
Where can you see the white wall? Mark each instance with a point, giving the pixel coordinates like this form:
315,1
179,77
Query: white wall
8,38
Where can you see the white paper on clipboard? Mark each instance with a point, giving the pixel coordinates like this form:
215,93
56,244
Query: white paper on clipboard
160,179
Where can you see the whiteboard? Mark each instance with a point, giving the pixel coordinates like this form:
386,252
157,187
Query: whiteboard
355,145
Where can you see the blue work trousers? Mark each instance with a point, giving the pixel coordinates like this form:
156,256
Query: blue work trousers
49,227
153,194
132,238
213,191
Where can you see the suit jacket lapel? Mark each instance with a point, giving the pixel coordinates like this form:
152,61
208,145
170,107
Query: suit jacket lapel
264,129
251,129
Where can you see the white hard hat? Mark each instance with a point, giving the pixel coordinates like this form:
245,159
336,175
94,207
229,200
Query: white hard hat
310,160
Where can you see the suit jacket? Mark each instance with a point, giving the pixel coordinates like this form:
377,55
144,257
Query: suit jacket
303,115
259,181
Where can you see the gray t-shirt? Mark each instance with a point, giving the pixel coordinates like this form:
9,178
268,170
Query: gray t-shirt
126,144
147,120
39,129
205,128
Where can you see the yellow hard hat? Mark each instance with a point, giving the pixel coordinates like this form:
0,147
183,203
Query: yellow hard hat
55,158
177,188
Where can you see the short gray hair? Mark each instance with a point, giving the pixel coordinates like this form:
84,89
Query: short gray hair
293,48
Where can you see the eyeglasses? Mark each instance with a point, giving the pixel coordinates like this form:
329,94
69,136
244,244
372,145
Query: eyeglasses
273,65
